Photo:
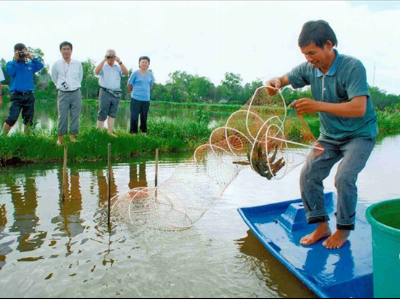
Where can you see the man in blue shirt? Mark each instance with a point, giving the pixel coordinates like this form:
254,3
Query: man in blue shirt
140,83
348,128
21,88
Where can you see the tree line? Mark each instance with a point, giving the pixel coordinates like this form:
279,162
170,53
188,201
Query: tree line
180,87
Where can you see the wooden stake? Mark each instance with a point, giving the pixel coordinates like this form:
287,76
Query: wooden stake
156,177
64,176
109,183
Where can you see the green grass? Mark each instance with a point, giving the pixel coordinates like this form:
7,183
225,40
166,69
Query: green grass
388,123
40,145
166,135
232,107
314,123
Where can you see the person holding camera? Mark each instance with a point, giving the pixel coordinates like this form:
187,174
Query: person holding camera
110,91
21,71
140,83
67,75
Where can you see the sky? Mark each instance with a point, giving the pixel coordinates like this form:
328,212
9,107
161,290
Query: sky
257,40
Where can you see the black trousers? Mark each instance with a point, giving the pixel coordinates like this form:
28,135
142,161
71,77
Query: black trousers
139,108
24,102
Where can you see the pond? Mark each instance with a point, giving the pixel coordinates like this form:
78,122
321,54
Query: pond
55,248
46,113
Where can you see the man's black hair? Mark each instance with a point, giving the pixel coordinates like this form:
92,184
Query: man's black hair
19,47
318,32
144,57
65,44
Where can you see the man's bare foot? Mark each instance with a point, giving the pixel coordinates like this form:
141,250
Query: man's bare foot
337,240
59,143
112,134
73,140
322,231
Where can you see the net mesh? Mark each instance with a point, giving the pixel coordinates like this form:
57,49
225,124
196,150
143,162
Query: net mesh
263,134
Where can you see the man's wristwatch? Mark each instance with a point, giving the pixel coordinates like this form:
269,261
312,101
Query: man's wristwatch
120,62
1,94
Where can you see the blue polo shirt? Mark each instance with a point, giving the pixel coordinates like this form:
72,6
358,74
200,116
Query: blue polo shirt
22,74
141,85
345,80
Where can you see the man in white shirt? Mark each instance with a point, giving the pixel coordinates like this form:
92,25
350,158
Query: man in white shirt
110,88
1,79
67,75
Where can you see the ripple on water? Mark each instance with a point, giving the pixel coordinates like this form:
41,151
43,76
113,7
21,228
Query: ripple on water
218,257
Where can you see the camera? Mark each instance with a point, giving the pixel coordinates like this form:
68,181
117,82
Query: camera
65,85
110,56
21,54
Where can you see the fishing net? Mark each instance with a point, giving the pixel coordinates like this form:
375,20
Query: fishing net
263,134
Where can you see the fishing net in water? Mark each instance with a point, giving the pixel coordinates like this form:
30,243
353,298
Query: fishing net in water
263,135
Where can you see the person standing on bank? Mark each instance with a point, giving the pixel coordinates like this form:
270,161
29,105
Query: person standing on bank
21,87
67,75
140,83
348,128
110,89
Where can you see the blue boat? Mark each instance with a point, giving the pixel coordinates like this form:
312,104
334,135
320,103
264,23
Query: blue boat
334,273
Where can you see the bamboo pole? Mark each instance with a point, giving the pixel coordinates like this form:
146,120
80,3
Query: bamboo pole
64,175
109,184
156,177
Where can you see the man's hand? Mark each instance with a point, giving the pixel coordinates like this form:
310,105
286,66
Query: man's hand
273,86
117,59
29,55
305,106
129,87
355,108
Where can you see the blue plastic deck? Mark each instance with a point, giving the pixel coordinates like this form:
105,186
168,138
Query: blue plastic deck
335,273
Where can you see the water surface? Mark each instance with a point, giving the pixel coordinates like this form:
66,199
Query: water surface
55,248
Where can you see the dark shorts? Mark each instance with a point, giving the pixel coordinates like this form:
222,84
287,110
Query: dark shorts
19,102
108,105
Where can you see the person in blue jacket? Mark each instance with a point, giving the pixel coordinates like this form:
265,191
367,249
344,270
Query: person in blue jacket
21,69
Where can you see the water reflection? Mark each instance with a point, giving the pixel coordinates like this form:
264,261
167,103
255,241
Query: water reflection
24,199
102,184
275,274
69,222
4,247
137,175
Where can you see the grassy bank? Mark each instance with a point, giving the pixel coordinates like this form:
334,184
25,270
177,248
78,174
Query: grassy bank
168,136
40,145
